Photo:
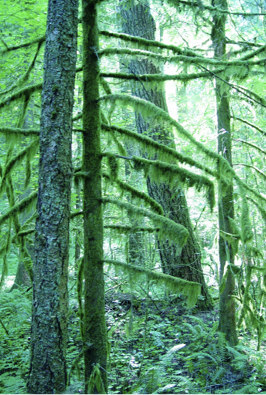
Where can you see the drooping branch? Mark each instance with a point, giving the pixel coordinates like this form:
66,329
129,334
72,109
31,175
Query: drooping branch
151,146
38,40
28,90
168,228
188,288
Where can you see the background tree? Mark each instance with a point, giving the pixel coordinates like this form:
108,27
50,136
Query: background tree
138,21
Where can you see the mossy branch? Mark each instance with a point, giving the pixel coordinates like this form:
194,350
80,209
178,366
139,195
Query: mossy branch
160,77
196,59
251,145
149,43
124,229
28,153
25,203
158,171
135,193
149,109
168,228
37,40
215,10
15,96
25,76
257,170
250,124
16,131
188,288
152,147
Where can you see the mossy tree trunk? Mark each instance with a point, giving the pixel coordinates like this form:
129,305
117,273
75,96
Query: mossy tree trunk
50,271
95,334
138,21
227,322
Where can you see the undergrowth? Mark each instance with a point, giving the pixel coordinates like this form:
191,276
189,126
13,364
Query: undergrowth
155,347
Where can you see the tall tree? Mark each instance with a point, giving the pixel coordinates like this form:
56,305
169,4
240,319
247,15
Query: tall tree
50,271
94,332
137,20
227,323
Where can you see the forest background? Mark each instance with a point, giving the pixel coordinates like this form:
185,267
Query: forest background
172,226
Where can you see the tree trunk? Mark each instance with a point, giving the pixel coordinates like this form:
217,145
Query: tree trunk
227,323
95,334
50,271
138,21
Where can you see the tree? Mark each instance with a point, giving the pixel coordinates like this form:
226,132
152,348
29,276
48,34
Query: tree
50,271
227,323
94,330
138,21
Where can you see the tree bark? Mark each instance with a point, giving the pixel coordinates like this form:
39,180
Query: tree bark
95,334
50,271
227,321
138,21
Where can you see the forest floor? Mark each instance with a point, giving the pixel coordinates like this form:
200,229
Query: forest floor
156,346
162,347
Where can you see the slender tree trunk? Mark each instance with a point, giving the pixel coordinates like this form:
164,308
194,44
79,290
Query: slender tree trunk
138,21
95,334
50,271
227,323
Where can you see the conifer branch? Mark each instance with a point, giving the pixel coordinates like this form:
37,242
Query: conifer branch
168,228
17,131
28,90
150,145
250,124
18,208
135,193
251,145
190,289
38,40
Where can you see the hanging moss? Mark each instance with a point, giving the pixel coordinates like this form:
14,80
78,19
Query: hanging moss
261,210
135,193
168,228
159,171
27,153
148,109
124,229
152,147
14,131
246,228
25,203
28,90
178,285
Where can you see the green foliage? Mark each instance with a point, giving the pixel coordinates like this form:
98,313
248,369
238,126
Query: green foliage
15,312
178,285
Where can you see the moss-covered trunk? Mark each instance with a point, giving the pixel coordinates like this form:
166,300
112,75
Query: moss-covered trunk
50,271
95,335
138,21
227,323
